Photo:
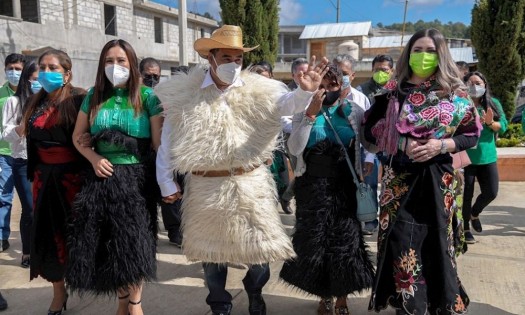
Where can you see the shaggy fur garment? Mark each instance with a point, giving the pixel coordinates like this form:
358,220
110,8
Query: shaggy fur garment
226,219
112,235
332,257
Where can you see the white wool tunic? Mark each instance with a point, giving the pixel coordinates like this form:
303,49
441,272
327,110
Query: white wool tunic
230,219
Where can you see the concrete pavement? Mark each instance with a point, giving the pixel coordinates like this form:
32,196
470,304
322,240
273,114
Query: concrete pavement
492,272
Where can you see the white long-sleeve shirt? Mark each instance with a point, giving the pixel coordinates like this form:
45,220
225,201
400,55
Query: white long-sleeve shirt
289,103
17,142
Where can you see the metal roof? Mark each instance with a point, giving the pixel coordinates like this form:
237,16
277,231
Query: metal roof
466,54
336,30
387,41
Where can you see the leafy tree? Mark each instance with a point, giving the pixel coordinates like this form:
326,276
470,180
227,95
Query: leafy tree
497,35
259,20
449,30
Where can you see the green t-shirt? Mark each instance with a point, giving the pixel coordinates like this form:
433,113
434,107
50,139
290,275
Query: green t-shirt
485,152
5,93
116,113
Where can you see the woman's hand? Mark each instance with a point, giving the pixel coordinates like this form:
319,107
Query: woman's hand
423,150
103,168
488,117
316,103
172,198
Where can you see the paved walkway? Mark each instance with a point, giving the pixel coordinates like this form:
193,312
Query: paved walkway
492,272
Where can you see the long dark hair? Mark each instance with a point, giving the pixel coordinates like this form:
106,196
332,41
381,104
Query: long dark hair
23,91
485,100
63,101
447,73
103,88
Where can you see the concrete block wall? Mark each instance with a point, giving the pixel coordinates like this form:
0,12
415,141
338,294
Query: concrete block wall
144,25
52,11
90,13
125,21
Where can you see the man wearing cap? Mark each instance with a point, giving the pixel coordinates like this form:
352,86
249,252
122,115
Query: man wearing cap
220,128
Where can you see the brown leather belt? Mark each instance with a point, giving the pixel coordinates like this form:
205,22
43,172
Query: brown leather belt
236,171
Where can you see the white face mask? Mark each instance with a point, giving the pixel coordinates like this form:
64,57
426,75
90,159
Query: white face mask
117,75
228,72
476,91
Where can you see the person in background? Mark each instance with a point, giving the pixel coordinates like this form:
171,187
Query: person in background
463,68
368,160
113,231
150,72
382,71
484,156
220,127
14,63
418,120
13,132
298,65
55,167
332,258
280,163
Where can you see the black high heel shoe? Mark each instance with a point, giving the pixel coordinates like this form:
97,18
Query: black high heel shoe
59,312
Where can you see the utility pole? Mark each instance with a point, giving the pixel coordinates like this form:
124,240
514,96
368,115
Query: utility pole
183,26
338,10
404,19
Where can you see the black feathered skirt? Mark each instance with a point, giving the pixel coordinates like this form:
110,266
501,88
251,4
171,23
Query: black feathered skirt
113,229
332,257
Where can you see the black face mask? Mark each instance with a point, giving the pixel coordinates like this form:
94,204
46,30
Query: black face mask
331,97
150,80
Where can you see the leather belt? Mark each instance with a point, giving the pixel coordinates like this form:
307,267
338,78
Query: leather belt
236,171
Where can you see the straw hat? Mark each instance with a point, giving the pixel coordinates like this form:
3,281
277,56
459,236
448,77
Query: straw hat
227,36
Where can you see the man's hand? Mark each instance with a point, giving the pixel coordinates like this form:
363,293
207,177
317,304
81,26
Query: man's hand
311,80
172,198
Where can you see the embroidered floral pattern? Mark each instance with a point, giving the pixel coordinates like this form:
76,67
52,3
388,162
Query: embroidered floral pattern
408,274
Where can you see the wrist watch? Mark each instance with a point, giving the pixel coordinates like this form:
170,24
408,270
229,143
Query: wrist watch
443,147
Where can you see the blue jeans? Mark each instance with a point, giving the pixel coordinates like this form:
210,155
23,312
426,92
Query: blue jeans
372,180
6,195
215,275
23,188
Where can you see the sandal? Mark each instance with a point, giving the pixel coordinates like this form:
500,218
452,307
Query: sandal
326,307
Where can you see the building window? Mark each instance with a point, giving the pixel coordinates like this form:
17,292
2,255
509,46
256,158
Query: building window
30,11
110,17
6,8
202,33
158,29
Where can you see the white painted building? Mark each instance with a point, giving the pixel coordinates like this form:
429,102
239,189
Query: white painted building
82,27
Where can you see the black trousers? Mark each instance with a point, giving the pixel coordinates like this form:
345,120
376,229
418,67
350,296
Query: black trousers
488,179
171,217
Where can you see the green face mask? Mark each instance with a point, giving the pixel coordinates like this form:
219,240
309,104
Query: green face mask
381,77
423,64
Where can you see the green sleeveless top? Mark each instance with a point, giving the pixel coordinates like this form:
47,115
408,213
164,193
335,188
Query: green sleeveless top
116,113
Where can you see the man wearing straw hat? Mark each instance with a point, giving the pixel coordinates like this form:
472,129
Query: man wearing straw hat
220,128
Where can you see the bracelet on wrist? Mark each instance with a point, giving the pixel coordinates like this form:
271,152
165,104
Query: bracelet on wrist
310,119
492,122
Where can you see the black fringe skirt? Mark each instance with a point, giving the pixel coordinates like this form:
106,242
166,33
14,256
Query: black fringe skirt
113,231
332,257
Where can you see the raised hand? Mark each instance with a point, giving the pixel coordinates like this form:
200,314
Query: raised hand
311,80
488,116
316,103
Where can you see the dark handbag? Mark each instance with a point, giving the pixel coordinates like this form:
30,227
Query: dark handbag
366,205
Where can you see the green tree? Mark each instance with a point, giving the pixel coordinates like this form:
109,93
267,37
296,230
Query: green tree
449,30
259,20
497,35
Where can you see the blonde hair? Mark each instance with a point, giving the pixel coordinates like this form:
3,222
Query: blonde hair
447,73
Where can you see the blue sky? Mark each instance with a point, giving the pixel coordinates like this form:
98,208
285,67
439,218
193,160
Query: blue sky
323,11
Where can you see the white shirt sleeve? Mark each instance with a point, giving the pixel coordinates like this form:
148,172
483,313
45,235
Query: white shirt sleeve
294,102
9,124
165,171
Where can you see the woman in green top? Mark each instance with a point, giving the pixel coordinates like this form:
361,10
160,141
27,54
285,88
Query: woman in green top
112,241
483,157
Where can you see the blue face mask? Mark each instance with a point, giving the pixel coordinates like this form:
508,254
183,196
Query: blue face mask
13,76
35,86
346,82
51,81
